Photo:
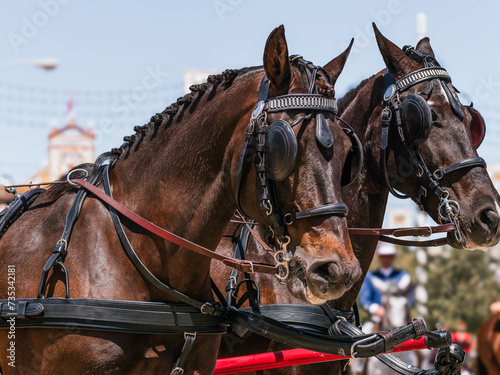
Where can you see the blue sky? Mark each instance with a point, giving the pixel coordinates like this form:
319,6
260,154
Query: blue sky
107,49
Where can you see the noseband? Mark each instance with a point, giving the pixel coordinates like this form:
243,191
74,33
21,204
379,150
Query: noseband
412,121
273,150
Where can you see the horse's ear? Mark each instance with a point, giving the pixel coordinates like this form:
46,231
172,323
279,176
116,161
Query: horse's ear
424,45
335,67
395,59
276,61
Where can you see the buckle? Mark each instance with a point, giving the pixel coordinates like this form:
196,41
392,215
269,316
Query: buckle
353,346
249,263
430,231
204,308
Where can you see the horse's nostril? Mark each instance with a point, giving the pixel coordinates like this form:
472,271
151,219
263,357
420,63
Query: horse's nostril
326,274
489,219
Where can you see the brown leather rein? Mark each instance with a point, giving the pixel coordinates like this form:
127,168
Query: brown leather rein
384,234
241,265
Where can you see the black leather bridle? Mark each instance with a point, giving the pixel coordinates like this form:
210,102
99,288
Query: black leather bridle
448,210
256,141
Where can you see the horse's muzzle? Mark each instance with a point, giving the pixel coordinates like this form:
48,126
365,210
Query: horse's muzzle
331,278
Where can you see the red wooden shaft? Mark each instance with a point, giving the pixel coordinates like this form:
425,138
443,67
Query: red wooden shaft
292,357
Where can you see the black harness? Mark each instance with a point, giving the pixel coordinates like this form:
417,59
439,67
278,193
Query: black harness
412,120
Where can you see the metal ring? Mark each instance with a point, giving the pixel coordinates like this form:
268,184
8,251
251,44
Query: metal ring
284,267
420,171
76,170
177,371
288,219
437,175
449,204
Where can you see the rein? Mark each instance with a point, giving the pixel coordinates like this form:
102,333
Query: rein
242,265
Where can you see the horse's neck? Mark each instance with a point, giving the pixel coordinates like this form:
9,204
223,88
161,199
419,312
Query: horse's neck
366,198
180,177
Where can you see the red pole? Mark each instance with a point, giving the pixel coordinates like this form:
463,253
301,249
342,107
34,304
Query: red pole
292,357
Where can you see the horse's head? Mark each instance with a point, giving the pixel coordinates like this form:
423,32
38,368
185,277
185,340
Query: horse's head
298,150
434,139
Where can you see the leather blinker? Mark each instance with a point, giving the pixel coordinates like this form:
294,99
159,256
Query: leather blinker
416,118
281,150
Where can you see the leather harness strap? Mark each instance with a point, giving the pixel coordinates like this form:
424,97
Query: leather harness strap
241,265
411,231
110,315
402,232
428,243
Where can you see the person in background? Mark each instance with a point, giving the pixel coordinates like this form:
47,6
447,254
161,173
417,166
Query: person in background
387,295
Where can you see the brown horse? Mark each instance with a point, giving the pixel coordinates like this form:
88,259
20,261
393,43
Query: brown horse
449,141
488,346
180,171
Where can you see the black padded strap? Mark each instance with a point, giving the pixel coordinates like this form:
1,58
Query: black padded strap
330,209
110,315
467,163
362,345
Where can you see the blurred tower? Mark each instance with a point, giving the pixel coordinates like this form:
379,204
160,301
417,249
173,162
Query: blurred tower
421,26
69,146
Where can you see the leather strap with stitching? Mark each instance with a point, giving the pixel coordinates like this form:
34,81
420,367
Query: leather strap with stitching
467,163
402,232
412,231
241,265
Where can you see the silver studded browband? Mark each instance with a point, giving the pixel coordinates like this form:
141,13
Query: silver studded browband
421,75
301,101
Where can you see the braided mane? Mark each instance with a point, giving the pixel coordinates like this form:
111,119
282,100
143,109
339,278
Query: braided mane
226,79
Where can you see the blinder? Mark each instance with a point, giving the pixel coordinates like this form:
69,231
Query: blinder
477,126
417,119
281,150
